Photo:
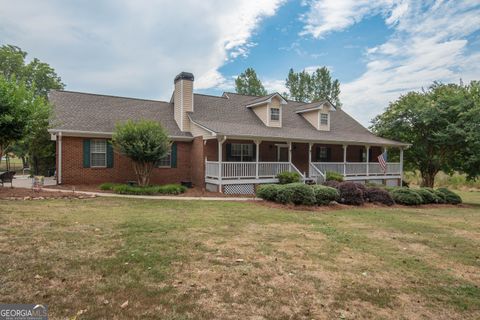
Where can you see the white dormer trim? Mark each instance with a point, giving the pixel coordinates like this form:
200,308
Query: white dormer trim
320,106
269,100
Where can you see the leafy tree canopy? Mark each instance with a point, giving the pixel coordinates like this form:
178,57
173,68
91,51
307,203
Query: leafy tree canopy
319,85
248,83
441,123
145,142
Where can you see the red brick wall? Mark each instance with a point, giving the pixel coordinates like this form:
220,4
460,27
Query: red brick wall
197,162
73,171
211,150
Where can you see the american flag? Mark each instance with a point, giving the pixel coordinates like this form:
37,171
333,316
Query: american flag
382,160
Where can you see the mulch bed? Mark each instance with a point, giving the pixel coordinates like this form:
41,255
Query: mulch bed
7,193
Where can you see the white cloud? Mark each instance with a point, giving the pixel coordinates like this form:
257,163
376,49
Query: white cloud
134,48
428,44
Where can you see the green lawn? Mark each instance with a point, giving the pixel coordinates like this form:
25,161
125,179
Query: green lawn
180,260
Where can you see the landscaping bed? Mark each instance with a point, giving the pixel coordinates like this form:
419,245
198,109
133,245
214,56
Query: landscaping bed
29,194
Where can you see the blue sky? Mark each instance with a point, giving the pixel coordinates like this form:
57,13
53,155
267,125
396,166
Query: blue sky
377,49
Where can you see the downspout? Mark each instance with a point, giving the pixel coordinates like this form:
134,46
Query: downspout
59,169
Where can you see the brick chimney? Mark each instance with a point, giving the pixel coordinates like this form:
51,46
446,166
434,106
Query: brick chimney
183,99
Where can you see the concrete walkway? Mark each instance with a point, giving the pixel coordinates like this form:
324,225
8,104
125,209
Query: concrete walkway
26,182
115,195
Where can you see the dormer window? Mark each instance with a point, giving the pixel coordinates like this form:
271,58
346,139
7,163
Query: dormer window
324,119
275,114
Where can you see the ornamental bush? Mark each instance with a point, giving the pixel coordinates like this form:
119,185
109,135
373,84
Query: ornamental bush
441,198
268,191
350,193
378,195
288,177
333,176
148,190
427,195
302,194
284,194
450,196
406,196
324,195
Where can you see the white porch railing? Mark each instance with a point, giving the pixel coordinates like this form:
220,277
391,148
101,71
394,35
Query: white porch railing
358,168
245,170
316,174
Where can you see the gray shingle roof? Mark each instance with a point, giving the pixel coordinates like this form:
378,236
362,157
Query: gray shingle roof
228,115
99,113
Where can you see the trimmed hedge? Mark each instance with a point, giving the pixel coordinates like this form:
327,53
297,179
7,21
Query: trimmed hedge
450,196
333,176
406,196
284,194
288,177
379,195
107,186
324,195
267,191
149,190
350,193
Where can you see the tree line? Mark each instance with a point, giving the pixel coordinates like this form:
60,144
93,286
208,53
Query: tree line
24,108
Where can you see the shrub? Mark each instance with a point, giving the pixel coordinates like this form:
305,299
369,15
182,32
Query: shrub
267,191
148,190
324,195
406,196
333,176
363,188
284,194
301,194
427,195
288,177
171,189
441,198
350,193
107,186
379,195
331,184
450,196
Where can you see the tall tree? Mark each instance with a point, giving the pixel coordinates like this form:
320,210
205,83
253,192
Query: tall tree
39,77
435,123
145,142
248,83
18,104
317,86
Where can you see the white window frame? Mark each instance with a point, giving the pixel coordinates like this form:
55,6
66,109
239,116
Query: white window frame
92,152
169,156
242,150
276,115
320,151
327,118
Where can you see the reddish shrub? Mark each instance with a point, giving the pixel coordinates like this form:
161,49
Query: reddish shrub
378,195
350,193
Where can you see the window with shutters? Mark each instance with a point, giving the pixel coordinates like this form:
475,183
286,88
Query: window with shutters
98,153
166,162
241,152
322,154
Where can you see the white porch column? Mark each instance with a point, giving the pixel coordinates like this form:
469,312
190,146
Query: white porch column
290,154
345,160
257,156
367,148
401,167
310,146
59,169
220,155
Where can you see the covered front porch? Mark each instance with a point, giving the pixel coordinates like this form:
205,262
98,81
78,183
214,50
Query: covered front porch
230,161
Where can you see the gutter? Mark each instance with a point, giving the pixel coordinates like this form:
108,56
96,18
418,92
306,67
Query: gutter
99,134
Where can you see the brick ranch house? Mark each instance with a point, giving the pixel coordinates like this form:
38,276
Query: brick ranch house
228,143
